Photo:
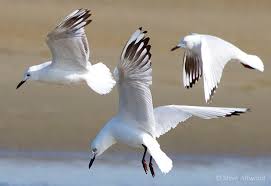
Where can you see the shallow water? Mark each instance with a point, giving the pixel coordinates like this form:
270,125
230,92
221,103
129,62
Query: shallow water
49,169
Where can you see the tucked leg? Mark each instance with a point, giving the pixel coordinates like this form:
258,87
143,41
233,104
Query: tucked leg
151,167
143,160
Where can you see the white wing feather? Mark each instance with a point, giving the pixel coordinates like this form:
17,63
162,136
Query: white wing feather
168,117
133,75
216,53
68,42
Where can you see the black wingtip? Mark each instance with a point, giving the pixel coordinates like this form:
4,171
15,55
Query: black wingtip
236,113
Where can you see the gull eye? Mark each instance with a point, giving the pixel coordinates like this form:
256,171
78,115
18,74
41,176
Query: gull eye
94,150
27,75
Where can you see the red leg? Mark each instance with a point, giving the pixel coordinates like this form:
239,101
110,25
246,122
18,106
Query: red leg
145,167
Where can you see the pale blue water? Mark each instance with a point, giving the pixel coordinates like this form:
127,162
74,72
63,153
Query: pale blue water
71,169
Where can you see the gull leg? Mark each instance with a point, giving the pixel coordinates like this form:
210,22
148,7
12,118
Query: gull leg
143,160
151,167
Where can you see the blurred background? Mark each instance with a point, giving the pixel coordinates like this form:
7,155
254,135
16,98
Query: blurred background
50,118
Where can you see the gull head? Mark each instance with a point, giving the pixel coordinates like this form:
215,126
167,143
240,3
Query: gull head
33,73
96,149
25,78
101,143
94,152
188,42
28,75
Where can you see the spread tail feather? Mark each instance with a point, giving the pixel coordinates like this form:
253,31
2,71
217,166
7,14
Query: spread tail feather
100,79
162,160
253,62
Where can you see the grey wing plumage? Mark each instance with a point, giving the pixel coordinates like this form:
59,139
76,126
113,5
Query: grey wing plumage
134,75
68,42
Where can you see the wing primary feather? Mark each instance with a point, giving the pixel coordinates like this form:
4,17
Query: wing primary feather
128,49
145,51
192,68
148,48
136,54
68,42
133,51
75,20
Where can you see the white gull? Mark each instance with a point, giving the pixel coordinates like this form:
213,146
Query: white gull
206,56
70,53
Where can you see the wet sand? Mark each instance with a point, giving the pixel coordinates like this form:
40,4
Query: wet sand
59,118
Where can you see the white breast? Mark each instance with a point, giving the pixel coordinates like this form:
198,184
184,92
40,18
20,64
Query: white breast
57,76
127,133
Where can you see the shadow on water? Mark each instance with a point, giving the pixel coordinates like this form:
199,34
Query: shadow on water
49,169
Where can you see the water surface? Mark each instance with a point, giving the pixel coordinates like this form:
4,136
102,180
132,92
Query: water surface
41,169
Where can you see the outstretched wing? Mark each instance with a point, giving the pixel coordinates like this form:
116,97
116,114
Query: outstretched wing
216,53
168,117
133,75
68,42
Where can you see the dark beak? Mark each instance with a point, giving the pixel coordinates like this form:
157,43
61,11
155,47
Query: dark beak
91,161
174,48
20,84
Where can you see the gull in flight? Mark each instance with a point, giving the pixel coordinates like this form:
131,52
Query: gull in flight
206,56
70,53
137,123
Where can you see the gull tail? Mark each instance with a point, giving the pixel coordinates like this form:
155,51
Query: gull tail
252,62
100,79
162,160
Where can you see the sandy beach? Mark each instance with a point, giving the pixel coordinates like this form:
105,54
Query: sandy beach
40,117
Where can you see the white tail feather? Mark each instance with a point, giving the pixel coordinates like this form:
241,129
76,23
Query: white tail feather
162,160
253,61
100,79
